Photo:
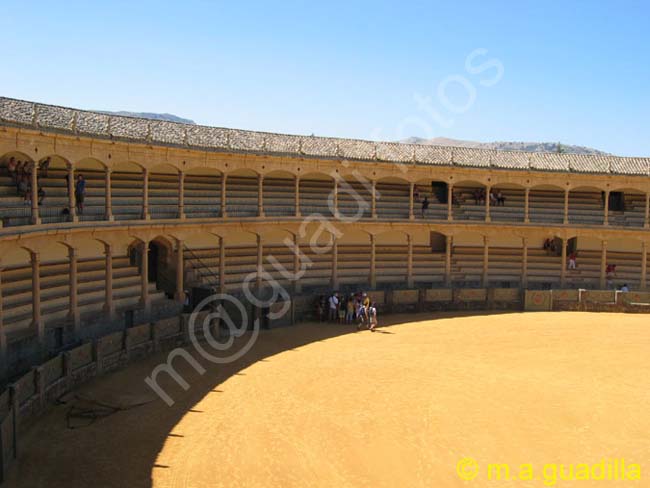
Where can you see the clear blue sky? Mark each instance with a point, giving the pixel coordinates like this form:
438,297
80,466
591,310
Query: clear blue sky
576,72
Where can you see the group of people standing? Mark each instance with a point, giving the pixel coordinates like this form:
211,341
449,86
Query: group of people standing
354,308
20,173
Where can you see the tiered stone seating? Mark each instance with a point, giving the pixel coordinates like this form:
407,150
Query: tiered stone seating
127,195
14,210
587,274
544,269
392,201
17,290
504,266
163,196
314,196
466,265
586,208
241,196
354,264
428,267
279,197
391,263
546,206
202,196
355,199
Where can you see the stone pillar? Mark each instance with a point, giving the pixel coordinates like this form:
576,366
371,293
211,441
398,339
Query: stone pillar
298,213
563,265
527,206
260,196
644,265
36,219
72,204
260,262
335,210
373,262
145,195
144,269
296,264
486,265
109,307
180,271
646,220
224,207
603,265
411,214
488,190
37,322
524,262
448,246
222,264
373,203
181,195
335,263
606,209
566,206
450,202
108,196
409,261
73,311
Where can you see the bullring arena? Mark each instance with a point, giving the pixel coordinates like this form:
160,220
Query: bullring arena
491,348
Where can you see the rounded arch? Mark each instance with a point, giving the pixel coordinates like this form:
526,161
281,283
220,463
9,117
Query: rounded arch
164,169
17,155
242,173
90,164
127,167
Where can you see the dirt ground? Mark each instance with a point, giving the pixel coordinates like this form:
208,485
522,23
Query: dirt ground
316,405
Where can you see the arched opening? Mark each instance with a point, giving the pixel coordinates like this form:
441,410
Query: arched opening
467,260
279,194
507,202
627,207
430,199
161,270
544,262
164,191
393,198
127,190
202,193
53,199
429,254
15,208
17,297
354,197
391,248
546,204
505,261
586,206
315,192
471,197
242,193
354,256
94,173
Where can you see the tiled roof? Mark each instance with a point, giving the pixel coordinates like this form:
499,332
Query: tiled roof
60,119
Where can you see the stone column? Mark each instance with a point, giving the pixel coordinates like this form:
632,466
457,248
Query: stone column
563,265
145,195
72,204
109,307
644,265
298,213
409,261
222,264
411,214
524,262
335,263
180,271
296,264
373,203
448,246
260,196
73,311
36,219
527,206
566,206
603,265
488,190
260,262
181,195
108,197
646,220
373,262
224,207
606,209
144,269
450,202
335,210
486,265
37,322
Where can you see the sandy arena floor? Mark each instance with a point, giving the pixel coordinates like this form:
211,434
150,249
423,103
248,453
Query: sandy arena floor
317,406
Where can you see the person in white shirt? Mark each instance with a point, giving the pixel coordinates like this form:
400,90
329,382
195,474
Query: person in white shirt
333,307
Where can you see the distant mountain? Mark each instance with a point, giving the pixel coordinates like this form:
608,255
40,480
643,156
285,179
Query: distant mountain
505,146
147,115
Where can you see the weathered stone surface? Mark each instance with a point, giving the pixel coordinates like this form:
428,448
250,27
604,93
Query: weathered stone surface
55,117
167,132
16,111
